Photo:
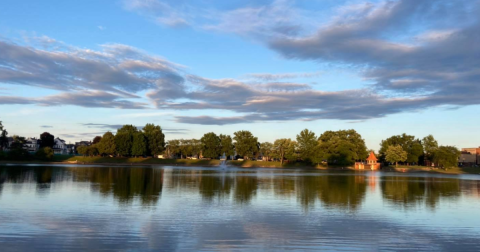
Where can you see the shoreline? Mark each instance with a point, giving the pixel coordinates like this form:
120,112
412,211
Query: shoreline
208,163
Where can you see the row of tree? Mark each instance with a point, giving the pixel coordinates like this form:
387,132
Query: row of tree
128,141
342,147
407,149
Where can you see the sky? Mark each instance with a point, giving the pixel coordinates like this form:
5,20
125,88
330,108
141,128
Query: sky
77,69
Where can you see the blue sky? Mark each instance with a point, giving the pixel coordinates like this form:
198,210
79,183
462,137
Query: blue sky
77,69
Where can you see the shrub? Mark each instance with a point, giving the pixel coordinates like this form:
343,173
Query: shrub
45,154
18,154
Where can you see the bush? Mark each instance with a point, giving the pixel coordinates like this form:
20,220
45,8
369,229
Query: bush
18,154
45,154
3,155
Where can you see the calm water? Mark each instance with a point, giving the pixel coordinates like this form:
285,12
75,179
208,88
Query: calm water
197,209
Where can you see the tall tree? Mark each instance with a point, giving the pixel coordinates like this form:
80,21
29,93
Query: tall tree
246,144
173,148
47,140
412,146
139,146
123,143
291,153
430,145
211,145
106,146
128,128
267,150
227,145
3,137
307,142
155,139
446,156
96,140
395,154
281,146
345,146
82,150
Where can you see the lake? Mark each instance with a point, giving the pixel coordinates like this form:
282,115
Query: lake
94,208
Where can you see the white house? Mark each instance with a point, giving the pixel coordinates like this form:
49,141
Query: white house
60,146
32,144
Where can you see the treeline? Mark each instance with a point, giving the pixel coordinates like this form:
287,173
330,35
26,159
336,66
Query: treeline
336,147
128,141
410,150
342,147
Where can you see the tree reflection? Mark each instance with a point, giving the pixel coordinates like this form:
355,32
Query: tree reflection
343,192
125,184
245,187
408,192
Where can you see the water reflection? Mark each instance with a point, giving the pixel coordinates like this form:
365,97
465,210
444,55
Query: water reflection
409,192
344,191
107,208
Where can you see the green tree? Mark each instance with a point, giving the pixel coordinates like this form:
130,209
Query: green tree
395,154
412,146
97,140
291,152
92,151
246,144
430,146
155,139
123,143
338,151
173,148
17,151
128,128
45,154
106,146
307,143
211,145
267,150
47,140
227,145
139,146
82,150
446,156
337,140
280,146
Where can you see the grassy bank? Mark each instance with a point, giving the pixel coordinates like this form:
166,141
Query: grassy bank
106,160
453,170
119,160
269,164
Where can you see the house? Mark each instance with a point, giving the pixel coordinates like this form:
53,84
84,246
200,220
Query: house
70,149
371,163
32,144
60,147
469,157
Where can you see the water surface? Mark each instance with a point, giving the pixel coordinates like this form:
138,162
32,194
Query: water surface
79,208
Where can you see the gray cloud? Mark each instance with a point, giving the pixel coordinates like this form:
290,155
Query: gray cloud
117,68
89,99
281,76
46,126
118,126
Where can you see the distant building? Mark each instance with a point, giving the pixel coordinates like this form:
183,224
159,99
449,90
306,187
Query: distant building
32,144
371,163
60,147
70,148
469,156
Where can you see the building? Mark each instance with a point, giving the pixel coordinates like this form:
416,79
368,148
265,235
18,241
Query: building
371,163
32,144
60,147
469,157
